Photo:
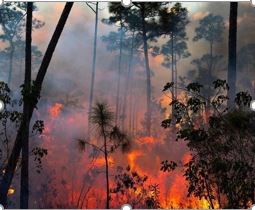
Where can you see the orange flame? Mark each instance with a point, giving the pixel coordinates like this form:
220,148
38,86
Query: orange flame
132,156
55,110
101,161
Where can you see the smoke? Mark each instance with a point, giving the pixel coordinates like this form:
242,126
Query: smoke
64,104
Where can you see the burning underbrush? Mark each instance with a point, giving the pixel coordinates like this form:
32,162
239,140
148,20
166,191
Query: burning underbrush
76,179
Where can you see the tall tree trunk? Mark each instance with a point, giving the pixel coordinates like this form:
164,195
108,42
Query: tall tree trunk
24,181
91,96
35,94
119,72
175,76
131,103
232,52
128,82
148,73
10,63
210,70
172,69
106,171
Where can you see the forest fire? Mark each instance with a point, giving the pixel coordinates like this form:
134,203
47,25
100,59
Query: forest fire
102,131
173,186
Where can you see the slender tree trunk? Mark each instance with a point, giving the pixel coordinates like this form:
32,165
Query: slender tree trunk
119,72
91,96
24,181
131,104
148,73
35,94
106,171
172,66
128,81
10,63
232,52
175,76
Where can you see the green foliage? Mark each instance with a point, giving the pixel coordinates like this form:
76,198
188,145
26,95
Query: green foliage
172,23
243,99
101,116
168,86
38,127
166,123
128,180
39,153
210,28
222,166
135,190
120,139
4,93
195,87
221,84
10,120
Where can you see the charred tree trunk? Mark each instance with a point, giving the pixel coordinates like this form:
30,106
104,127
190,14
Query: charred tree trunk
232,52
148,73
91,96
35,95
24,181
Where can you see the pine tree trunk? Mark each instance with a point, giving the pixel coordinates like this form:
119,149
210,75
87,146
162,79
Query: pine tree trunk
232,52
148,73
91,96
24,181
119,74
10,64
131,105
12,161
128,82
106,171
172,66
175,76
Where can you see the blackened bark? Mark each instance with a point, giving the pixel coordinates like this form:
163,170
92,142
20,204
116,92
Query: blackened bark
24,181
232,52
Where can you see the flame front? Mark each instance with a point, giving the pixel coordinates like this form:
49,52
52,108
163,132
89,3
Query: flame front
145,158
